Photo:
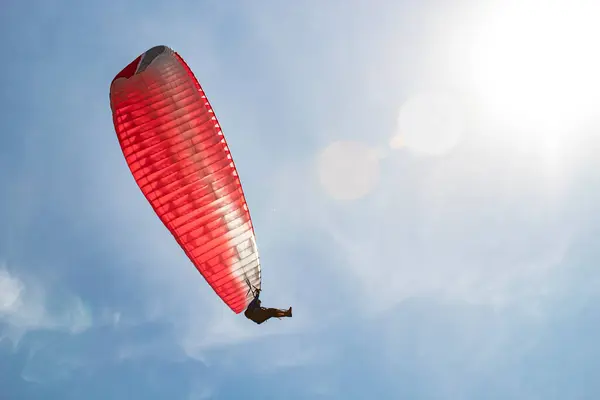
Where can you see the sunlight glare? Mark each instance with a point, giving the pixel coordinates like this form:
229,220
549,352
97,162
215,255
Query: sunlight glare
535,67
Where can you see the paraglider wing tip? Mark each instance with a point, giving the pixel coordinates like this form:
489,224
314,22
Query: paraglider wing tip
141,63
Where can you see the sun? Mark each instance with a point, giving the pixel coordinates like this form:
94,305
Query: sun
535,66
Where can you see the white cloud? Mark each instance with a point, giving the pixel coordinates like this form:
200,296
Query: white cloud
23,308
10,293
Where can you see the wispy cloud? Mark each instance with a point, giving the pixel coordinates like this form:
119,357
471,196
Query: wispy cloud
26,306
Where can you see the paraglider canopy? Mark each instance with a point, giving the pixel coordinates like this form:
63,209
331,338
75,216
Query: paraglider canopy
178,156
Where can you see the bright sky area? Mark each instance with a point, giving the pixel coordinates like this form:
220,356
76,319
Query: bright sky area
422,176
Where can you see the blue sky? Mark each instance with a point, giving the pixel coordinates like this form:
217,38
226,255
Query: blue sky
422,177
